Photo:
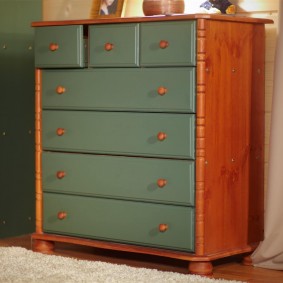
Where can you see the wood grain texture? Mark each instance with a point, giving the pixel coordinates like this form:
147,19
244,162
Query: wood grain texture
257,133
200,137
38,152
228,115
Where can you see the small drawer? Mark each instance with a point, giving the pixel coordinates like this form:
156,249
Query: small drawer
113,45
60,46
139,223
146,179
119,89
141,134
168,44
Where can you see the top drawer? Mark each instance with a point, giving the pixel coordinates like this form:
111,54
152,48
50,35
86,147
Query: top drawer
60,46
113,45
168,44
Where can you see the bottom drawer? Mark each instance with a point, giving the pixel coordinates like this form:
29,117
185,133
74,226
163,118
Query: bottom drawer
121,221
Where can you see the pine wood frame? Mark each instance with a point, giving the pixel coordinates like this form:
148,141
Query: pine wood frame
206,249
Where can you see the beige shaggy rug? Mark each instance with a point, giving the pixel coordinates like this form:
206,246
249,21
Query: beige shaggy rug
22,265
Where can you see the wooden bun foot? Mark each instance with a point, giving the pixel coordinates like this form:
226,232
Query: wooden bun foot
247,260
46,247
201,268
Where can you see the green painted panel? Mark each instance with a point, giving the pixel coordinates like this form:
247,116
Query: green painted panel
120,89
70,52
17,191
120,133
120,177
120,221
181,39
124,39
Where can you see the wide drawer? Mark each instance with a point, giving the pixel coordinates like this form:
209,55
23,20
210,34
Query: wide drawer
146,179
60,46
168,44
120,221
149,134
155,90
113,45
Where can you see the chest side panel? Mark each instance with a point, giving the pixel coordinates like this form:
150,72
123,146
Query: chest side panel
229,48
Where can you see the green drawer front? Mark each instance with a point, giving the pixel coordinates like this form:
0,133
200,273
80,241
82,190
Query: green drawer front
120,177
122,40
181,40
69,43
120,221
120,133
120,89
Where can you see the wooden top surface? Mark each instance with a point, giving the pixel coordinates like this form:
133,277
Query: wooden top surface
110,20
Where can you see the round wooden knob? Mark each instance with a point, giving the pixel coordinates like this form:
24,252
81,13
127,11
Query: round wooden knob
60,174
161,183
161,136
53,46
163,227
163,44
61,215
60,89
162,90
60,132
108,46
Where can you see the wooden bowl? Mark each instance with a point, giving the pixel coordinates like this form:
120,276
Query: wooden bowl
163,7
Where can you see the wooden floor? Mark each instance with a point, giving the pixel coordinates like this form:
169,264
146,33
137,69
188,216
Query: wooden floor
230,268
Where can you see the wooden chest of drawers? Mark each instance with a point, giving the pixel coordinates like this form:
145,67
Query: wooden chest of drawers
149,135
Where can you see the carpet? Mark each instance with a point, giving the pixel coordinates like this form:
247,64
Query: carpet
21,265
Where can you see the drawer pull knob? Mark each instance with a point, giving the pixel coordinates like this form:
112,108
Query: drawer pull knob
61,215
60,131
161,136
53,46
161,183
163,227
60,174
60,89
108,46
163,44
162,90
